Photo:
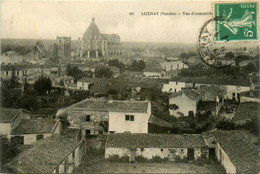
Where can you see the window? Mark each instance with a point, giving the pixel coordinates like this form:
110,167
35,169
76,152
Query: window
142,149
88,118
176,83
87,132
39,137
129,118
7,73
17,73
161,150
175,90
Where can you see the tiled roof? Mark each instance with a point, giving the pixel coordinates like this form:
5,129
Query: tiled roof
34,126
111,105
240,149
101,85
153,68
188,92
6,115
126,140
160,122
44,156
247,111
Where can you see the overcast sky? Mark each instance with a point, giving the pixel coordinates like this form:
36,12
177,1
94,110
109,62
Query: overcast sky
46,20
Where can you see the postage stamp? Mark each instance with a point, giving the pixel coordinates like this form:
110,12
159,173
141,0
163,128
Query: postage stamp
237,21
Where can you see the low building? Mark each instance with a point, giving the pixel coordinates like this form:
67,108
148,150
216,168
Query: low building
232,87
121,116
172,68
55,154
165,146
10,118
153,71
30,131
173,87
184,103
236,151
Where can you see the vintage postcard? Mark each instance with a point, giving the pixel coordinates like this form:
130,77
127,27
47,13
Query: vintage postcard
129,86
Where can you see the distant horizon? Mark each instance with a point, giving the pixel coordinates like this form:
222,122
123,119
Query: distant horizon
121,40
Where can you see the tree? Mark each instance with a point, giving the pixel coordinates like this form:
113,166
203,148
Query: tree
137,66
117,63
75,72
251,67
141,65
14,80
43,85
103,72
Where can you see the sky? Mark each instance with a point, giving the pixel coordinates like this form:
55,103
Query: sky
47,20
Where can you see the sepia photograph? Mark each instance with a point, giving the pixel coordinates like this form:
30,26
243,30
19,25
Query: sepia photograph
104,86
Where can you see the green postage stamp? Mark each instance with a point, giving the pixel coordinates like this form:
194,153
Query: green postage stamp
236,21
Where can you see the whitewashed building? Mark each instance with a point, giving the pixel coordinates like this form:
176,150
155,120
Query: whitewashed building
172,68
30,131
183,103
54,154
121,116
10,118
149,146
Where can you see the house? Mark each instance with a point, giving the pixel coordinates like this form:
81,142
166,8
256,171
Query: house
171,147
121,116
172,68
54,154
10,118
239,154
30,131
232,87
153,71
246,111
184,103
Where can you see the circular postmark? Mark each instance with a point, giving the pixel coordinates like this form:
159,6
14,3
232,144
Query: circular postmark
214,53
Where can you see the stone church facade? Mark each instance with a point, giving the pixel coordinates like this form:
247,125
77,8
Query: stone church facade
94,44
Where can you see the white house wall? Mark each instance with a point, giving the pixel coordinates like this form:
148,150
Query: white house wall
152,74
5,128
118,123
223,158
173,87
184,103
149,153
230,89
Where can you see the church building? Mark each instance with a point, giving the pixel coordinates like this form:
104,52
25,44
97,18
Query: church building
94,44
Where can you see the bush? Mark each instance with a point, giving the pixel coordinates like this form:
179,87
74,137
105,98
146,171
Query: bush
116,158
225,125
159,159
140,158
